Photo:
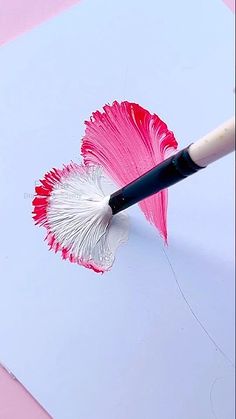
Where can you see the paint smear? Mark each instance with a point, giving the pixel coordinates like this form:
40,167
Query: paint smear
19,16
124,141
127,141
15,401
72,204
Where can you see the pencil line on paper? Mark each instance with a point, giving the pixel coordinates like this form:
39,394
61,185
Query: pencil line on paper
211,398
194,314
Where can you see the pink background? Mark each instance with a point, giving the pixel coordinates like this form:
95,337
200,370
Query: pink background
17,16
16,401
230,4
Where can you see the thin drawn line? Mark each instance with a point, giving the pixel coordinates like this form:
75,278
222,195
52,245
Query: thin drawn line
193,313
211,400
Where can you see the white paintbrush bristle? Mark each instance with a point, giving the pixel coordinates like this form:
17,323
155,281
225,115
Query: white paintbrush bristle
73,206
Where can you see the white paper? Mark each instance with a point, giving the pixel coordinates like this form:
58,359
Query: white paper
137,342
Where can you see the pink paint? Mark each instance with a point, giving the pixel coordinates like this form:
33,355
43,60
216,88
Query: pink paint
15,401
127,140
19,16
230,4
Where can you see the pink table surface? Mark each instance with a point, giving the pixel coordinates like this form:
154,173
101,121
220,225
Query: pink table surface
18,16
15,401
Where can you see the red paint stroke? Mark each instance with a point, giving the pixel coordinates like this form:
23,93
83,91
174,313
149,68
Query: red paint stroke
19,16
127,141
41,205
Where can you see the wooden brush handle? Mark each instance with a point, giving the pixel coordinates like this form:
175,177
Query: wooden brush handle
214,145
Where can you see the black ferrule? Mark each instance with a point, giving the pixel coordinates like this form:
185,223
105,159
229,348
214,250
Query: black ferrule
167,173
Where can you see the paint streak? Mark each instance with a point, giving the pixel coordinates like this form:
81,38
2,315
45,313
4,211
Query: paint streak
72,204
41,205
127,141
19,16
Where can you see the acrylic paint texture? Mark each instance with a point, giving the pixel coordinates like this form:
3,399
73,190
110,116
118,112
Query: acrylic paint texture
124,141
127,141
72,204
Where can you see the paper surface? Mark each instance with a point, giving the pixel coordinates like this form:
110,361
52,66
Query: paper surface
125,344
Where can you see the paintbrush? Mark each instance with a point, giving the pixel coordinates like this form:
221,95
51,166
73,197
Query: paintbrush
84,223
186,162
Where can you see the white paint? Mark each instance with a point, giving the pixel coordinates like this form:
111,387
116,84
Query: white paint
81,219
218,143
